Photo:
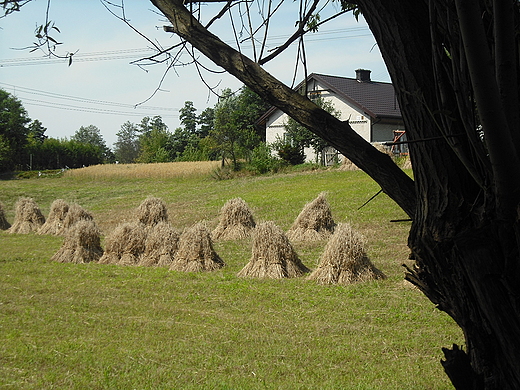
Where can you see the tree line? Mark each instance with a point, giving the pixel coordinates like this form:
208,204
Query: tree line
225,132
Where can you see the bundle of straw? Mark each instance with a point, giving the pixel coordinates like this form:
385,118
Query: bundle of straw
75,214
28,217
236,221
54,223
160,246
82,244
314,222
272,255
152,211
195,252
344,260
125,245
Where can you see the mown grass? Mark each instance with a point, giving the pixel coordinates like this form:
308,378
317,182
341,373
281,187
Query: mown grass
110,327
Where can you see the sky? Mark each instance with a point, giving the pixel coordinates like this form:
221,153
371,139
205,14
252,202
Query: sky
104,88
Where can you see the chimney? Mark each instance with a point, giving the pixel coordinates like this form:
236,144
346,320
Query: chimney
363,75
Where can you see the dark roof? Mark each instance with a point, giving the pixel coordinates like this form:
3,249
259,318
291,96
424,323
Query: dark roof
376,99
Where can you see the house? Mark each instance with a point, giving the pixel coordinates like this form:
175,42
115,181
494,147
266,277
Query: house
370,107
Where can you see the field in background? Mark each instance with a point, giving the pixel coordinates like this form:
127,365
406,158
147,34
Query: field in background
139,171
112,327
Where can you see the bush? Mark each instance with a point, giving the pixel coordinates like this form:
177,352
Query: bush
262,160
291,154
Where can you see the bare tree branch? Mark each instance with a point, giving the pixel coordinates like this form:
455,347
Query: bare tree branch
339,134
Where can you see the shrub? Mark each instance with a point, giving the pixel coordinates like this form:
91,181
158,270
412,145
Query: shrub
262,160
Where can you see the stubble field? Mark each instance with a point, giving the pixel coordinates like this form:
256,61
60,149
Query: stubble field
97,326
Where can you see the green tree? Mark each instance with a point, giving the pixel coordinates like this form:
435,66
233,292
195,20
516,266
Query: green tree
155,146
36,131
35,137
13,132
234,134
148,124
91,135
188,117
126,148
206,122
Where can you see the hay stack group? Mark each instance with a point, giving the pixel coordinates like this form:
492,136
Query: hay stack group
150,240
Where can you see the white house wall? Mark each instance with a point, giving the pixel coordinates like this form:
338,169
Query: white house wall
359,121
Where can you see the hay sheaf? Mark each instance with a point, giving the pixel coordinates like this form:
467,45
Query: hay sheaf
314,222
236,221
160,246
347,165
344,260
82,244
75,214
4,225
195,252
28,217
125,245
272,255
54,223
152,211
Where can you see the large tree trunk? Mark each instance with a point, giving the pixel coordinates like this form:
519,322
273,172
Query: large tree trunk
466,252
464,244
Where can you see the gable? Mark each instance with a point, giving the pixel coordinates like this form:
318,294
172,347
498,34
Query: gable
376,99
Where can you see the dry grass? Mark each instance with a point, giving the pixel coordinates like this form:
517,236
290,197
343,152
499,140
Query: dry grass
82,244
195,252
314,223
28,217
152,211
138,171
272,255
54,223
344,260
236,221
347,165
160,246
75,214
4,224
125,245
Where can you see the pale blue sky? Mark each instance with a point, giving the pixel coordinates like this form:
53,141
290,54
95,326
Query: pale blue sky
102,87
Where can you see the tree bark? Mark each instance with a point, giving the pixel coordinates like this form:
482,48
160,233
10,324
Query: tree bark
466,252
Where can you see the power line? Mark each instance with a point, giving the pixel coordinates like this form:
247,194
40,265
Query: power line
132,54
136,110
31,102
53,95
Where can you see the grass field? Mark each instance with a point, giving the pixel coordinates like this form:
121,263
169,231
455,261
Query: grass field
112,327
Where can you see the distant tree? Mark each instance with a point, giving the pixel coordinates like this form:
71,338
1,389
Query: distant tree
188,117
35,137
155,146
148,124
180,140
55,153
36,131
126,148
234,134
206,121
251,106
91,135
13,131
